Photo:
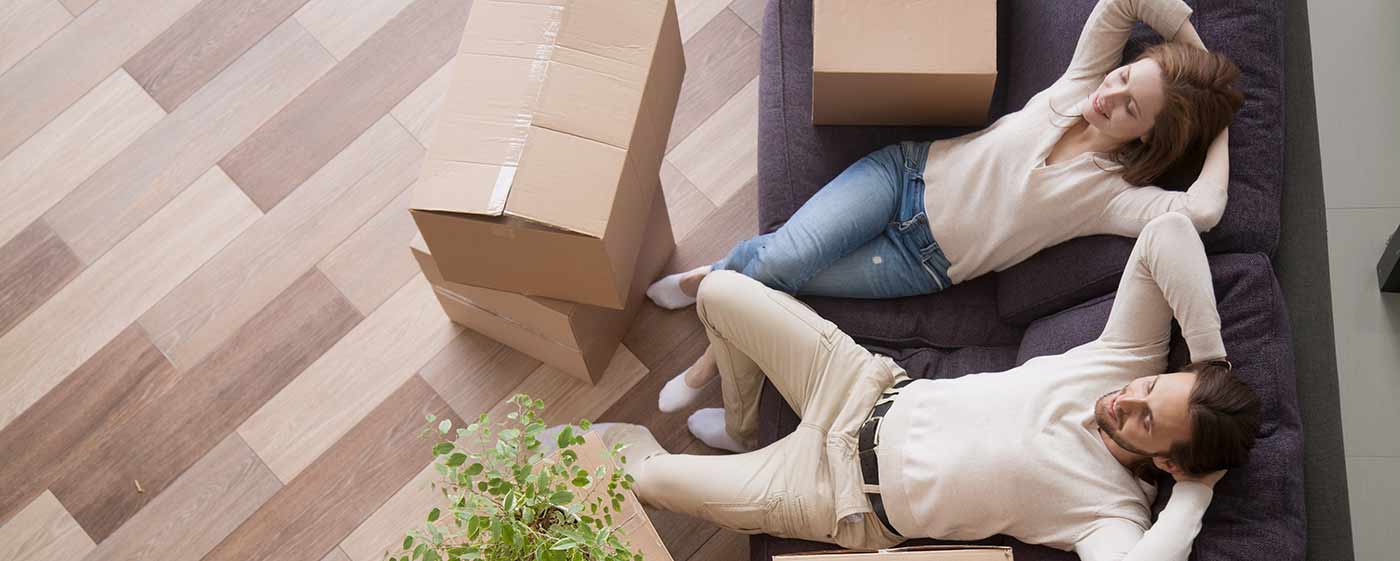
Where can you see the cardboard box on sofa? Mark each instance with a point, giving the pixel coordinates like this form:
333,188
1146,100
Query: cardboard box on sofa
913,553
548,148
634,525
903,62
576,338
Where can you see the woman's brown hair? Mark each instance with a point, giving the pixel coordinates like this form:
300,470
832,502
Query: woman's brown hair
1200,99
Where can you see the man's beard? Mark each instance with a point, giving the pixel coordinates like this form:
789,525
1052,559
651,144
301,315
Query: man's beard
1110,428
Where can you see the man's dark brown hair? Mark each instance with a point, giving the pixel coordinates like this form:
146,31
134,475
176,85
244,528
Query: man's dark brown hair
1224,416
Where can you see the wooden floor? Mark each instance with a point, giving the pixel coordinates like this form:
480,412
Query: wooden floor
214,343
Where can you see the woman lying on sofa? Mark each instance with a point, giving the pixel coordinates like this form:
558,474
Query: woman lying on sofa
1079,159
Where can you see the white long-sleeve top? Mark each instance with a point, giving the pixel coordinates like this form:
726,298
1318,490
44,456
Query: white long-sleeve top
991,199
1018,452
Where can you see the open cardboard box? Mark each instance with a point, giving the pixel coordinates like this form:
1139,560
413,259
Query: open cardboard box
576,338
903,62
912,553
548,148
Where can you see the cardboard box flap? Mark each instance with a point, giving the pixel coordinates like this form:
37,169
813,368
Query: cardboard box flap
927,36
574,68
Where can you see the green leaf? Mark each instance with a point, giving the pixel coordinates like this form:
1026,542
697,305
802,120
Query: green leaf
432,418
564,544
566,437
585,424
418,551
474,469
407,542
442,448
434,514
561,498
456,459
444,426
431,555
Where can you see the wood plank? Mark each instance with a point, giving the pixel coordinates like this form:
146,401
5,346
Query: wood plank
657,332
208,402
202,43
474,373
721,155
638,406
418,111
720,60
337,492
566,400
318,124
342,26
33,266
336,555
341,388
686,204
43,531
197,511
375,261
25,24
751,11
734,221
74,324
164,438
181,147
102,393
76,7
78,57
692,15
725,545
75,144
286,242
382,533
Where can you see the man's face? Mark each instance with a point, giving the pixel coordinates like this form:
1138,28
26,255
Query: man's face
1149,414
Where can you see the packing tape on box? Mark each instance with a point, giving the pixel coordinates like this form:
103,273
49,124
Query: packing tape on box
525,118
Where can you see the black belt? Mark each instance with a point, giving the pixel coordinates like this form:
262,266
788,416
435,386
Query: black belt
869,441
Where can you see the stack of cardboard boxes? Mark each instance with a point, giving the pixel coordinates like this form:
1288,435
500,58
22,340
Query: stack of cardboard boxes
539,205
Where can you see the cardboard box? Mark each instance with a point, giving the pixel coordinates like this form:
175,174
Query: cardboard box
576,338
914,553
633,523
903,62
548,149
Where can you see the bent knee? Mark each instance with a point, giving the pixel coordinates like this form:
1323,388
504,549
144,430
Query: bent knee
720,290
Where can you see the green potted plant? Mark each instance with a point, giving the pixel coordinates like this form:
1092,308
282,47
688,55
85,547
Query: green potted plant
508,496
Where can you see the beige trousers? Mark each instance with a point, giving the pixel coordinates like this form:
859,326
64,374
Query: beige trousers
803,485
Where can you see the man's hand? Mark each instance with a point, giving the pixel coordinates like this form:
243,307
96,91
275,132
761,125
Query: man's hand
1208,479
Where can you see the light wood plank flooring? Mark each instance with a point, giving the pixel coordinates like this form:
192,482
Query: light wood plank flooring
214,343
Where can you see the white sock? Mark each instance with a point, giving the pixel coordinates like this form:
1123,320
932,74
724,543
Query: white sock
677,394
708,426
667,292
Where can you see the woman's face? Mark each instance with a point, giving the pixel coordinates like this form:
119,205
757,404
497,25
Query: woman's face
1125,105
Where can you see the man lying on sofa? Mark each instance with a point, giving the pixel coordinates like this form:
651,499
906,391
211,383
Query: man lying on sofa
1059,451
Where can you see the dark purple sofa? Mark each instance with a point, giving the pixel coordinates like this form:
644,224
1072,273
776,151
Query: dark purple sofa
1060,298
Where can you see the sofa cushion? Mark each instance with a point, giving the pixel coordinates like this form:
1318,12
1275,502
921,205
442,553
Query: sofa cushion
961,316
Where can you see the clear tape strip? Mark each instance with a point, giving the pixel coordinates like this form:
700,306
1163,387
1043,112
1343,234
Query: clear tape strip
539,72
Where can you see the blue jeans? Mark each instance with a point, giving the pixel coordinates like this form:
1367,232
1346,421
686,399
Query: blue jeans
863,235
